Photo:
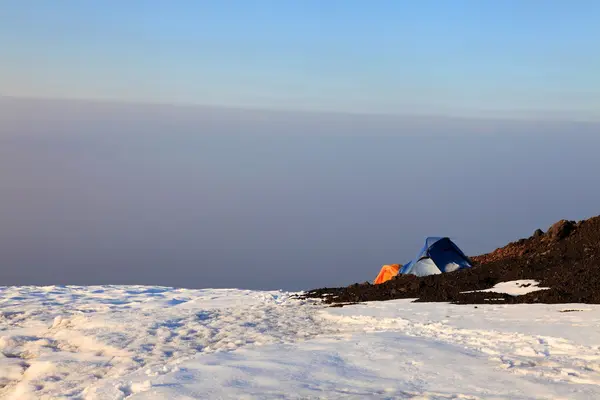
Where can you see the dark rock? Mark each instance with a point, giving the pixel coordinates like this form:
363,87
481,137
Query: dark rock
561,229
538,233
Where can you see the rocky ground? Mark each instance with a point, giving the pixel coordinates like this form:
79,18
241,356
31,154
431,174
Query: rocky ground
566,259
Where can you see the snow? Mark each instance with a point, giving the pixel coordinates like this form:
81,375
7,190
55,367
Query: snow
136,342
514,288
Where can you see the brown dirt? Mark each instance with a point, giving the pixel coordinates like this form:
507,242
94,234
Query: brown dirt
566,259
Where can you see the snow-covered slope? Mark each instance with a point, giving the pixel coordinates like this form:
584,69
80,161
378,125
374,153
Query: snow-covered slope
134,342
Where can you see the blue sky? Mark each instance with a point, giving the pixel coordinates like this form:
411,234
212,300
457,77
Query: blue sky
480,58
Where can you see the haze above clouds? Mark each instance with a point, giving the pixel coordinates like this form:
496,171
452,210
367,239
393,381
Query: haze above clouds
108,193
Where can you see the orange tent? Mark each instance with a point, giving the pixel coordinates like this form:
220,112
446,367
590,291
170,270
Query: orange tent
387,272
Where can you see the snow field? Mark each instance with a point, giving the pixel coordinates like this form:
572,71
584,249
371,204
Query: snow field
135,342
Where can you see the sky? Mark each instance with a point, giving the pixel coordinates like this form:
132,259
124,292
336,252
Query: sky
508,58
286,145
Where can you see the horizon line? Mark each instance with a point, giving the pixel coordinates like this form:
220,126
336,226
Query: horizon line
246,108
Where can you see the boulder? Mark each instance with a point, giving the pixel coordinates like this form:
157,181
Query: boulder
561,229
538,233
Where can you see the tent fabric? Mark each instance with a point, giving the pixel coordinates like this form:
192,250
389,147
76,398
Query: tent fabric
438,255
387,272
424,267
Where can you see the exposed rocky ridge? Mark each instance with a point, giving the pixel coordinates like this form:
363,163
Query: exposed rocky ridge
566,258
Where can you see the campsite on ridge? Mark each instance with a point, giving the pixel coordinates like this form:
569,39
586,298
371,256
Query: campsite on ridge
565,261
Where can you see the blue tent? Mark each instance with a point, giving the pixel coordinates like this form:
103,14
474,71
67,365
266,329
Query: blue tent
439,254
